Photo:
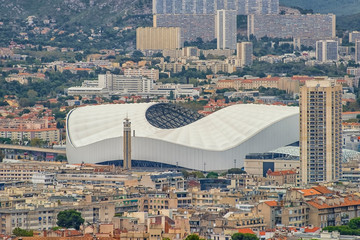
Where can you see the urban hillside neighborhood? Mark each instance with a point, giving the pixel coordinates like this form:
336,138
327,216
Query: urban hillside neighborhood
179,119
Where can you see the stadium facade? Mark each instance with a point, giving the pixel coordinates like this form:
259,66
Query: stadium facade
169,134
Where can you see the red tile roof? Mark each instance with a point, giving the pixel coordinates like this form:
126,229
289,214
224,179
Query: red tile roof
311,230
350,200
309,192
322,189
246,230
281,173
271,203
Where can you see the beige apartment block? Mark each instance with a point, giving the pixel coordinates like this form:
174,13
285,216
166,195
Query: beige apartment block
244,52
320,131
158,38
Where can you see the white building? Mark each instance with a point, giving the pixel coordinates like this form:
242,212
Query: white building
226,29
357,51
177,89
88,92
125,84
326,50
152,73
111,84
43,178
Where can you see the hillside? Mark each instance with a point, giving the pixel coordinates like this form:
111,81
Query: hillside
350,22
338,7
79,24
88,13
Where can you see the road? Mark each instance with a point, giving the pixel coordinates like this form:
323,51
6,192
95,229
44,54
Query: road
34,149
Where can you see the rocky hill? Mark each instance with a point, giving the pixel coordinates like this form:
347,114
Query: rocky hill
87,13
79,24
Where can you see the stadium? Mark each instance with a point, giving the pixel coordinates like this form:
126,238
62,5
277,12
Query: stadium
170,135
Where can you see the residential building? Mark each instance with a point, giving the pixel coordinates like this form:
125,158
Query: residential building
334,210
259,166
152,73
109,180
177,89
124,84
242,7
166,180
24,78
43,178
354,36
320,131
326,51
88,92
226,29
244,53
158,38
281,178
193,26
357,51
49,135
314,26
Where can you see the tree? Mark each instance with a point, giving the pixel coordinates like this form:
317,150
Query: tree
193,237
2,155
137,54
236,171
244,236
354,223
36,142
32,94
19,232
78,57
69,219
171,97
197,174
212,175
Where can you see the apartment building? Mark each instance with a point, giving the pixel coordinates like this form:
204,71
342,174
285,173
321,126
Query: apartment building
158,38
109,180
166,180
354,36
19,172
357,51
320,131
226,29
244,52
45,217
327,51
242,7
281,178
270,82
333,211
314,26
152,73
50,135
192,26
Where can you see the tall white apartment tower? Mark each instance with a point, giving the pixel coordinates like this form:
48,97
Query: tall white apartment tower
327,50
320,131
357,51
226,29
244,52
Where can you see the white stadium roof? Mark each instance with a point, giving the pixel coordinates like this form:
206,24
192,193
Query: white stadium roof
223,131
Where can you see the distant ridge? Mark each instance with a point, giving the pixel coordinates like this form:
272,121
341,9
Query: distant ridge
338,7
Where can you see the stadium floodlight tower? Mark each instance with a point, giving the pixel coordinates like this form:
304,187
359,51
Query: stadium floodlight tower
127,144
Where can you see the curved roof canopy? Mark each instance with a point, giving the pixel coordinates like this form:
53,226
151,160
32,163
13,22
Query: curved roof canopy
222,130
